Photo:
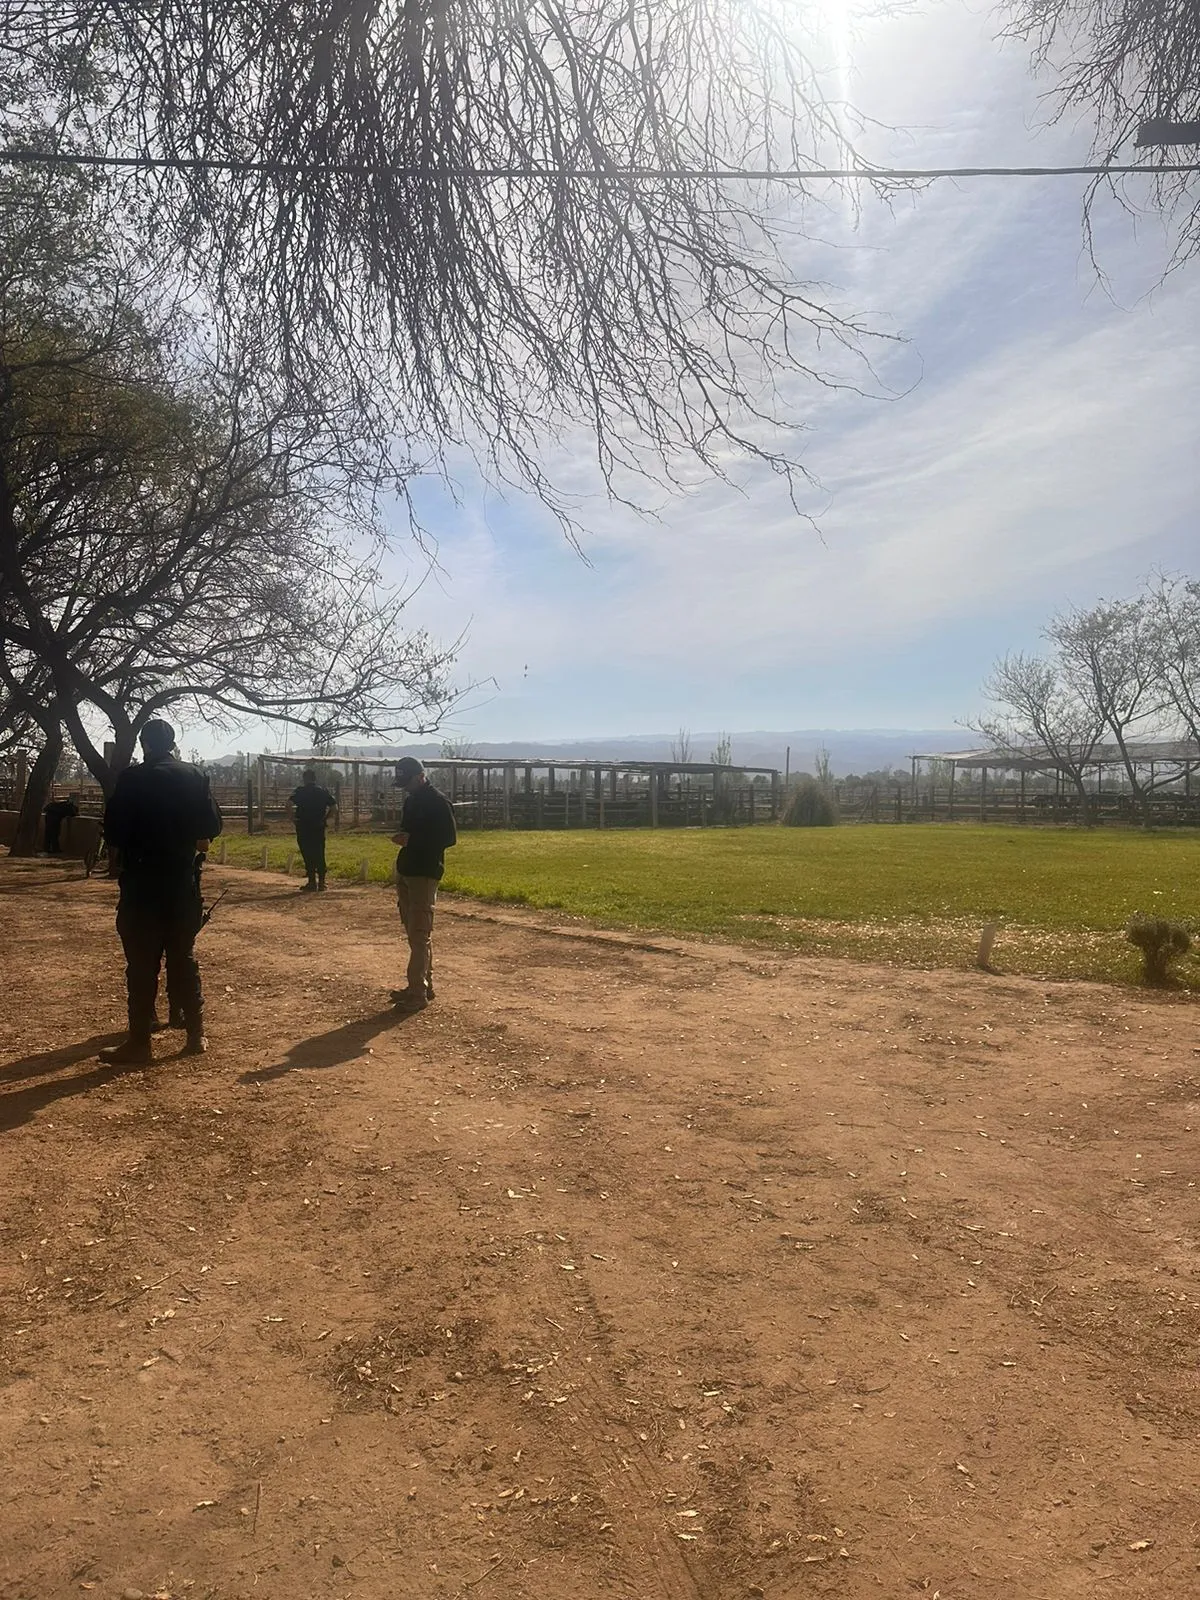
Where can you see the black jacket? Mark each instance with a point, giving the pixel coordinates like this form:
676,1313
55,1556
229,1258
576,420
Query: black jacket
156,814
428,819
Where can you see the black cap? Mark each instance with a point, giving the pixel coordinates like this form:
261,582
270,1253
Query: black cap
408,768
157,735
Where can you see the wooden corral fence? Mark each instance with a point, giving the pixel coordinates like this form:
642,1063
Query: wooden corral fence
1024,784
1004,802
529,793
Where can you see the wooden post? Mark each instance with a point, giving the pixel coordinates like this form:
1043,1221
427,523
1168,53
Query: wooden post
265,857
1021,802
953,775
541,807
653,798
221,851
599,798
508,778
775,794
583,778
751,800
983,771
354,791
249,804
262,791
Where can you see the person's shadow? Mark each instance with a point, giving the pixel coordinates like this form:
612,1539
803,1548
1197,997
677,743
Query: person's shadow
18,1106
330,1049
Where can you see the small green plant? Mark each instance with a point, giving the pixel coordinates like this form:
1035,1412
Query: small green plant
812,804
1160,942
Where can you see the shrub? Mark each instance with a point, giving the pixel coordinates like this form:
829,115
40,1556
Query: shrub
1160,943
810,805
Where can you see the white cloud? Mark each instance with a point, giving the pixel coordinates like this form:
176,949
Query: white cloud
1048,451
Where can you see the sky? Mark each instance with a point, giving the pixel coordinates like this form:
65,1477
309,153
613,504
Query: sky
1032,445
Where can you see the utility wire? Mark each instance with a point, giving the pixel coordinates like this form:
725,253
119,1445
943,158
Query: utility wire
278,169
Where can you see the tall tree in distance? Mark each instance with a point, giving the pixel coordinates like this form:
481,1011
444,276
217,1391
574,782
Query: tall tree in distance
479,222
1038,713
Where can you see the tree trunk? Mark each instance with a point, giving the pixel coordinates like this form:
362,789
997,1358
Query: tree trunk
1085,801
37,792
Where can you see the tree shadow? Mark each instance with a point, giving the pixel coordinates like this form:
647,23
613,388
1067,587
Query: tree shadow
43,875
330,1049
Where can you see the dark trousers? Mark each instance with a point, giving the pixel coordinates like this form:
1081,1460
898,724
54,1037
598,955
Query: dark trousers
312,849
153,927
53,835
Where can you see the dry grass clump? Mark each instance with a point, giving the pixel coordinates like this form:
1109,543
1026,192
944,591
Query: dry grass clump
1160,942
811,805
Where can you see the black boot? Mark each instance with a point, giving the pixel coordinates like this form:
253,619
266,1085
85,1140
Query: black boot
134,1052
174,1020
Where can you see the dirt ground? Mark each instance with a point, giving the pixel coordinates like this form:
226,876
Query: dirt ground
629,1268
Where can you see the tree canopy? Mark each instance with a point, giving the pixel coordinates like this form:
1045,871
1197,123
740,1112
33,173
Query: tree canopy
172,532
1128,64
427,206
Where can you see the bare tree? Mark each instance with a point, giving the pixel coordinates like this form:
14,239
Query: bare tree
172,536
1133,65
1108,655
722,753
1175,623
1041,717
681,747
459,749
481,221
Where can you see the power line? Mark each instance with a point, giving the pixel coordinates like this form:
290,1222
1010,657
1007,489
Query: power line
280,169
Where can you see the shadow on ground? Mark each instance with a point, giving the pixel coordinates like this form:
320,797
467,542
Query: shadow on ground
330,1049
19,1106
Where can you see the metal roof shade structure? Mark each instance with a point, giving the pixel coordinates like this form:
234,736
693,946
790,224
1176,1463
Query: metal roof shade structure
1031,758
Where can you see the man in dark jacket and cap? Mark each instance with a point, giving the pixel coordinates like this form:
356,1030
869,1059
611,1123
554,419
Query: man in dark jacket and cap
427,830
160,817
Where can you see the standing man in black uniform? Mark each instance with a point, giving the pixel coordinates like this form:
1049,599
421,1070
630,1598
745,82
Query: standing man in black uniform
159,816
55,814
427,830
309,806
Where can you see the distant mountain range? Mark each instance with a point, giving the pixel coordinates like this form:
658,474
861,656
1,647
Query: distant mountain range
850,750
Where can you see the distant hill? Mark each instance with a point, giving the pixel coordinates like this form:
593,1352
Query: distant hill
850,749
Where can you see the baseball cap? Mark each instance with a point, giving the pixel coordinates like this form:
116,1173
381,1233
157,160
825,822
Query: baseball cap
157,735
408,768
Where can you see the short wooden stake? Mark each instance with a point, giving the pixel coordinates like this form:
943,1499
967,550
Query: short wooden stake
983,958
290,863
264,858
221,853
364,871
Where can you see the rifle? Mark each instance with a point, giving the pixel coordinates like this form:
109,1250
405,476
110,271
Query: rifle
207,911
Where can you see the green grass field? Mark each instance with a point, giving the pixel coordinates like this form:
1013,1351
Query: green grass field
915,895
